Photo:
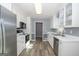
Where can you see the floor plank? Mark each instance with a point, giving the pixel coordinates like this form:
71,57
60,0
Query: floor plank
40,48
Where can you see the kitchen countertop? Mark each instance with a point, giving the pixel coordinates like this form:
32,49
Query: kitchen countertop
52,32
20,34
68,38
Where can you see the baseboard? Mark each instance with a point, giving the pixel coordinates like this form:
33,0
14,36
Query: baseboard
44,39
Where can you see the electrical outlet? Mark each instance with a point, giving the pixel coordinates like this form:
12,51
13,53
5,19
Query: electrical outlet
71,32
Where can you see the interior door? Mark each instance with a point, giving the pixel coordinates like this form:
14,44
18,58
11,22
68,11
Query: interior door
39,30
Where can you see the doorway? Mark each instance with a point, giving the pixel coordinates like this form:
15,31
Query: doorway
39,30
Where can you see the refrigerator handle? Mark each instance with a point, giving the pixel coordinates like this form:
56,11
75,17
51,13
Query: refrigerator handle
3,37
2,40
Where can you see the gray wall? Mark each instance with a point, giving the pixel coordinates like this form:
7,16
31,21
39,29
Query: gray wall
72,31
46,26
53,30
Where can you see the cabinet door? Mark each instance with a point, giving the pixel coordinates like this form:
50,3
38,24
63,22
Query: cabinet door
61,17
20,43
68,21
55,22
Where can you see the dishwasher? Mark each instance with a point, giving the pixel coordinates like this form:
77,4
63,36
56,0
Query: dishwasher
56,46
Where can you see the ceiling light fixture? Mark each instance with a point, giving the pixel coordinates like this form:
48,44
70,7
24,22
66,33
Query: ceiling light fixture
38,8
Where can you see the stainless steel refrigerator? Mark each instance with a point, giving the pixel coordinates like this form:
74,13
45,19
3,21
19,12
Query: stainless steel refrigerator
8,42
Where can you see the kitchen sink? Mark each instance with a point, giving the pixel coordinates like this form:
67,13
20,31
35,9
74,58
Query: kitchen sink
59,35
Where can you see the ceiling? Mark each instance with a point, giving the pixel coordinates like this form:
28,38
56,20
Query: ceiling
48,9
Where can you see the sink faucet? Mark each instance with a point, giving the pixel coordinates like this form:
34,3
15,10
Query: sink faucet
60,30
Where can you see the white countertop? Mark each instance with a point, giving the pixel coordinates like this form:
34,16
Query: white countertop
52,32
21,34
68,38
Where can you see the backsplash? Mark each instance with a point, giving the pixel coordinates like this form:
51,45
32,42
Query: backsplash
72,31
53,30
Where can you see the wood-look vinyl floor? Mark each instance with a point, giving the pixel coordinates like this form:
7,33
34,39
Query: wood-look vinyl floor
40,48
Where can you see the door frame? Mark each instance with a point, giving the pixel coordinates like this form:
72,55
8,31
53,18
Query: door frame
35,29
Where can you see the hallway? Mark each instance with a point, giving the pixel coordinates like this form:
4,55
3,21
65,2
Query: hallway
40,48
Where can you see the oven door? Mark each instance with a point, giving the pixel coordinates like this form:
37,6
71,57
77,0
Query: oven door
56,45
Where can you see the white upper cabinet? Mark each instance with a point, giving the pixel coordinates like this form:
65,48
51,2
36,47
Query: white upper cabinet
61,16
67,16
58,18
72,15
56,21
7,5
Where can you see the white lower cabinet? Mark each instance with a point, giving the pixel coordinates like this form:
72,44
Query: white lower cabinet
68,49
50,39
20,43
66,46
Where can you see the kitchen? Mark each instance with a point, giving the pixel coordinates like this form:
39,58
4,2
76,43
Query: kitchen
60,26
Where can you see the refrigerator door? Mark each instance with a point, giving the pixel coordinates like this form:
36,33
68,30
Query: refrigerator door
0,35
9,32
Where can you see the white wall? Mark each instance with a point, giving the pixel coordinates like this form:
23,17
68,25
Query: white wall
7,5
19,13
